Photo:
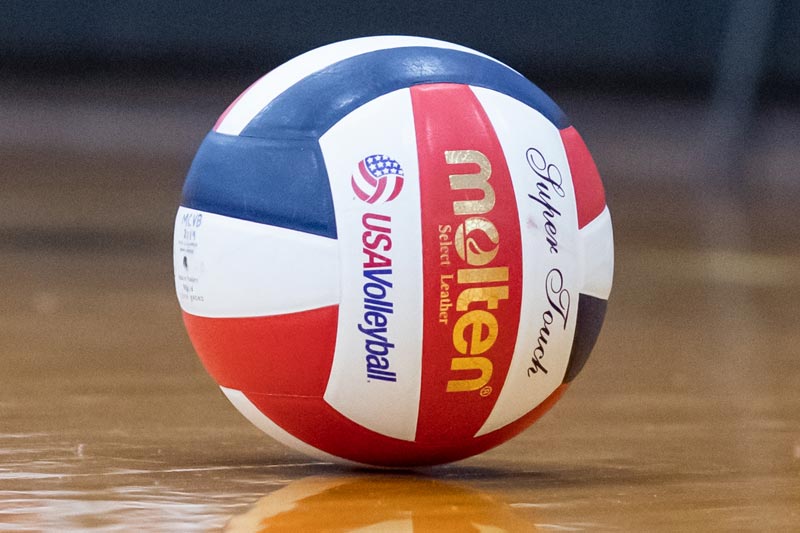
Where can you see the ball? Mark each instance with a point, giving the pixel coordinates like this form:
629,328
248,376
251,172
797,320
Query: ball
393,251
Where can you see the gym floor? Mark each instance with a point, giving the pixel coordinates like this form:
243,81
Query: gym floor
685,418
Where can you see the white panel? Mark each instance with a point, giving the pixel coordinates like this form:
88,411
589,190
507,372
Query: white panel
383,126
263,91
227,267
521,129
597,256
258,419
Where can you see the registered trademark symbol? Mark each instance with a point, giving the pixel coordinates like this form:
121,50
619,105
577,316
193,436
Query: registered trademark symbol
486,391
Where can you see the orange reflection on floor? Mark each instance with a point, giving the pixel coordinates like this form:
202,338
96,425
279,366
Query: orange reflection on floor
378,503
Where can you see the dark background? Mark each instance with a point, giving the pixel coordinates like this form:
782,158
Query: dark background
662,46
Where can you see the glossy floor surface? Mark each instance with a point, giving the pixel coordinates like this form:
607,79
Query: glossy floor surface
686,417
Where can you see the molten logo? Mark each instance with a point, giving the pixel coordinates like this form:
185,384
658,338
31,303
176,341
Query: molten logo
476,243
379,179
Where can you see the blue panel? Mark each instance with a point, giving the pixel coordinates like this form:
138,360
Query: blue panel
274,173
317,102
279,181
591,313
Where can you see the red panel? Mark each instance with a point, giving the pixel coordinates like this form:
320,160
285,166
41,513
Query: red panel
281,354
589,194
450,120
315,422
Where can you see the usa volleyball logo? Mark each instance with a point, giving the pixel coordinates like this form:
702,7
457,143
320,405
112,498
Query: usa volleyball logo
379,179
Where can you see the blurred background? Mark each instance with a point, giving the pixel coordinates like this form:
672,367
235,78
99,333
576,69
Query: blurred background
691,110
692,93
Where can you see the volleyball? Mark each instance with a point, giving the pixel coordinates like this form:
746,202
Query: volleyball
393,251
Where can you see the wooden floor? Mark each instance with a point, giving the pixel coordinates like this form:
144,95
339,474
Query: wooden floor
686,418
